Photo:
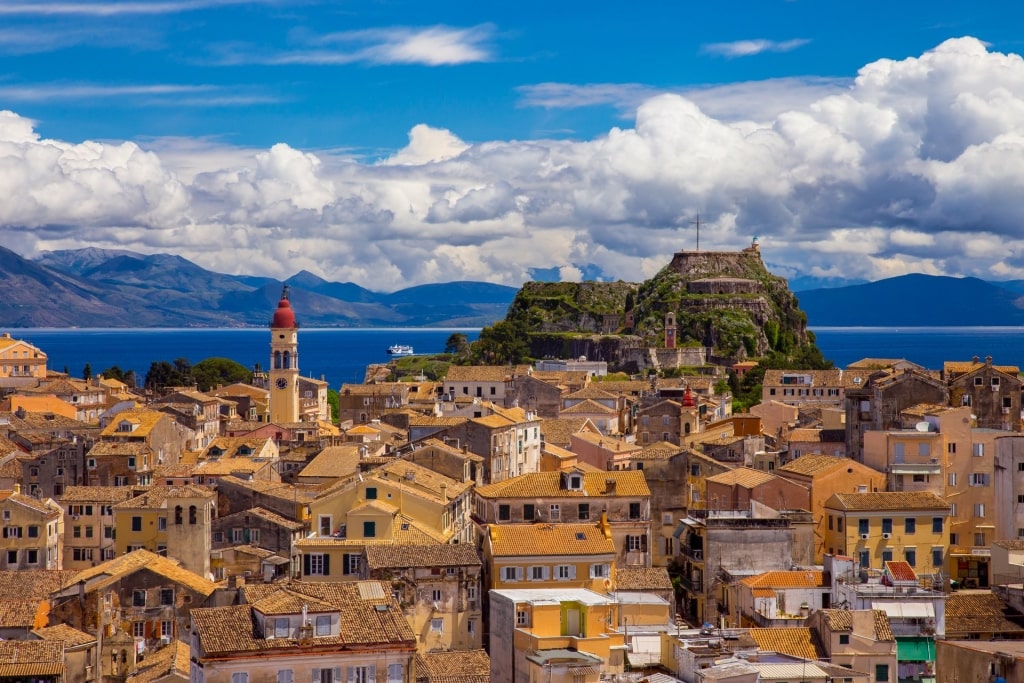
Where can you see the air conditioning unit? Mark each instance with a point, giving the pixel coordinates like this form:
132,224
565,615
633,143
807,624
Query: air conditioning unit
1006,411
165,640
864,537
886,535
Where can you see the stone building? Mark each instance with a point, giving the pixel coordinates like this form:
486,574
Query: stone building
993,392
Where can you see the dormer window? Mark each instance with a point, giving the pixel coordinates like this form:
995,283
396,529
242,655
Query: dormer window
125,426
575,482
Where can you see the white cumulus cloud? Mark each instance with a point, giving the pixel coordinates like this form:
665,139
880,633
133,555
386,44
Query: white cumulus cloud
912,165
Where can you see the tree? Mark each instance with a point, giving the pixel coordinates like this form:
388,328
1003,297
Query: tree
114,372
164,374
210,372
457,344
503,343
332,401
87,372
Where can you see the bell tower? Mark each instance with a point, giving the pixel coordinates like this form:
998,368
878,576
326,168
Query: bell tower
284,363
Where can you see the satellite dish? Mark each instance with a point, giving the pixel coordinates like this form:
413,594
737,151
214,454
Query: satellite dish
922,426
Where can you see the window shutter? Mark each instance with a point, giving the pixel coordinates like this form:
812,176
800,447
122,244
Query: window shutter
371,673
327,567
351,674
337,674
305,572
519,573
572,571
316,675
546,572
643,543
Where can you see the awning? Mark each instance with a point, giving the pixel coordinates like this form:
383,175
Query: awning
915,468
905,610
915,650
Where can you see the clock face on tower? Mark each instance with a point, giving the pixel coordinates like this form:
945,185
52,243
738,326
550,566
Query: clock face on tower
281,383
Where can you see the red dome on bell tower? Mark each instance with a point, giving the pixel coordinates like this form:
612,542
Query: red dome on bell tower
284,316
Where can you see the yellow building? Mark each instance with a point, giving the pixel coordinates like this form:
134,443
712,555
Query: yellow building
875,528
168,520
19,359
284,363
33,532
557,635
550,556
89,520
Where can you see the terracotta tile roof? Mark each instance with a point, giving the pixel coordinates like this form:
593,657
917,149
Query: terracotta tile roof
114,570
435,421
39,506
269,516
72,637
404,556
30,652
1011,544
155,498
799,578
806,435
95,494
550,485
119,448
285,601
232,629
466,666
334,461
405,531
22,613
812,464
954,368
172,659
477,373
888,500
642,579
274,489
660,450
143,420
970,612
592,391
520,540
746,477
588,407
900,570
425,482
557,431
819,378
34,583
798,641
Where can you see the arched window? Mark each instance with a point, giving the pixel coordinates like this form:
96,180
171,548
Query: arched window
177,514
287,359
686,428
191,514
277,360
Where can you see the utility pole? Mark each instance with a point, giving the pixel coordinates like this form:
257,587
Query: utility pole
697,223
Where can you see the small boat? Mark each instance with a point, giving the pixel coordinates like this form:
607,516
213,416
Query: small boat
400,350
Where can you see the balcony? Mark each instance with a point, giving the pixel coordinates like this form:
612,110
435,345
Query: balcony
695,554
637,558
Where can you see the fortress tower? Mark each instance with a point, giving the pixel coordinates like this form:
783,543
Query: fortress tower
284,363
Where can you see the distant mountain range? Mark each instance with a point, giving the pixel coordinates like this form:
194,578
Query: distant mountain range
916,301
115,288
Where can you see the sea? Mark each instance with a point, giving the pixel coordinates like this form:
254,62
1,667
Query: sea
340,356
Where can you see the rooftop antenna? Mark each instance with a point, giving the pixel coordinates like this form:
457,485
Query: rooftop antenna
697,223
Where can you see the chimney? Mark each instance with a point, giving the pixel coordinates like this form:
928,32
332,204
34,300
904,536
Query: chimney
444,492
609,486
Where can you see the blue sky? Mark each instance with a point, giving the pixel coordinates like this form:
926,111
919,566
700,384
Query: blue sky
394,143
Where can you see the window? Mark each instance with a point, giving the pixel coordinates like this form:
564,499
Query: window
839,523
979,450
575,482
936,525
978,381
864,559
76,532
565,572
911,556
192,514
396,672
240,677
504,513
830,522
371,493
862,526
522,618
236,535
556,512
369,529
951,448
511,573
316,564
471,626
161,524
887,555
471,591
634,543
937,557
166,596
139,629
32,556
285,676
351,563
167,628
881,673
979,539
886,525
282,627
909,525
437,625
844,638
12,557
979,479
435,595
634,510
120,480
136,523
108,532
979,509
538,573
599,571
529,511
584,512
131,462
952,479
323,624
138,598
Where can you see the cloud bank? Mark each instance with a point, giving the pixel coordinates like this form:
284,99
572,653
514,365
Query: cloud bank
914,167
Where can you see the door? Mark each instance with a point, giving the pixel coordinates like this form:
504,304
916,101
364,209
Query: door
572,622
